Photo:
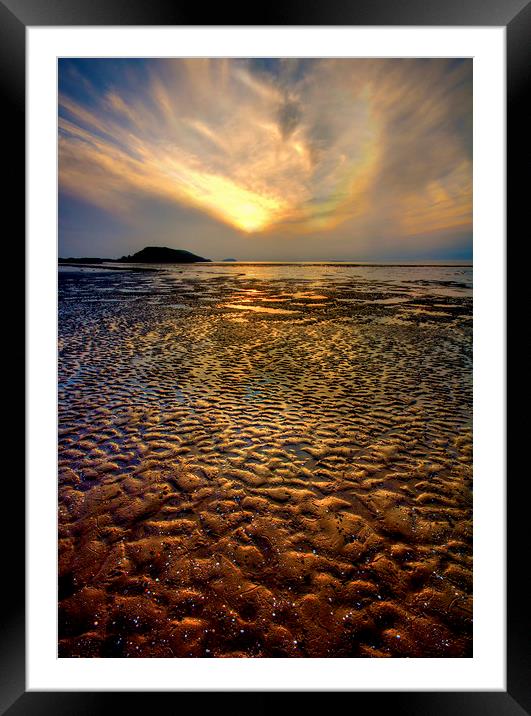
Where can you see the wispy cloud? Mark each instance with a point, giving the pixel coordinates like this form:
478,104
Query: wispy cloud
381,147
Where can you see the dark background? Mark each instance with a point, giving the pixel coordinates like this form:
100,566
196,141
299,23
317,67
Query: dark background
15,15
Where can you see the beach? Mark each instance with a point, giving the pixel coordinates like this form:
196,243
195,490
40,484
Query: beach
265,460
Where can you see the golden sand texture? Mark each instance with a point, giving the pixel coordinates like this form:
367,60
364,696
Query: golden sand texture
257,483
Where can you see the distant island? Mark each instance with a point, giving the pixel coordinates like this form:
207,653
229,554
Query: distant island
163,255
230,259
148,255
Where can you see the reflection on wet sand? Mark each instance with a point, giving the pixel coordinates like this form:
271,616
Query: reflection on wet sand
241,478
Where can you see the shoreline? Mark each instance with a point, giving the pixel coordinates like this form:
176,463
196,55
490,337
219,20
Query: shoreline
141,267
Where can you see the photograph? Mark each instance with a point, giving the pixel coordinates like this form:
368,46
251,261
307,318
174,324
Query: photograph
264,388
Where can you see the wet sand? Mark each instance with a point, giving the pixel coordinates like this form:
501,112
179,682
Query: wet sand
263,461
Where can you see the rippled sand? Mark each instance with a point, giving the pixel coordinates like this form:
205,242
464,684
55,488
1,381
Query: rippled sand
265,462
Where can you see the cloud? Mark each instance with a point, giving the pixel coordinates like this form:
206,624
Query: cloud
289,116
290,148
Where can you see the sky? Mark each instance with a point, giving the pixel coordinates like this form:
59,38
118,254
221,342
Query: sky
267,159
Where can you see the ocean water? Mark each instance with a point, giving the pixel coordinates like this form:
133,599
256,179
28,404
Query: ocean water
263,460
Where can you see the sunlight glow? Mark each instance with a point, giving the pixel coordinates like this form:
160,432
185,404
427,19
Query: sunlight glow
244,209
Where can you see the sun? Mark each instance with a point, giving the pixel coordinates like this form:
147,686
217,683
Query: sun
249,217
239,206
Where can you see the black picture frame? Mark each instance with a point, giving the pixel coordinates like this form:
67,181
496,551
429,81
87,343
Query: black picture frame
515,15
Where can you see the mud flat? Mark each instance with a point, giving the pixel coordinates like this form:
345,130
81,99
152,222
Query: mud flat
265,461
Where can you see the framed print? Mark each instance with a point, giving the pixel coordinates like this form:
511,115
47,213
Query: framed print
266,354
